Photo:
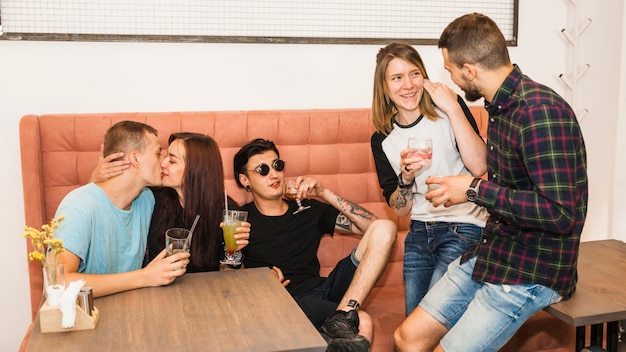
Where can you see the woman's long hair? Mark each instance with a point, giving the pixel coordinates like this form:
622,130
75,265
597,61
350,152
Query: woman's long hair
383,108
203,193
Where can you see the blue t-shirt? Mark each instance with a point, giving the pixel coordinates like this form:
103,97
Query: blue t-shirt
107,239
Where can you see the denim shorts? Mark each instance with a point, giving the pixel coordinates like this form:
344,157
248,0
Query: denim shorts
321,302
482,317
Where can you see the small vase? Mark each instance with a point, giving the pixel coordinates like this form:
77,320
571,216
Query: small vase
54,283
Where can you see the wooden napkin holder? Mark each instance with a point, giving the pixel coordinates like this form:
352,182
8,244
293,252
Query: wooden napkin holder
50,319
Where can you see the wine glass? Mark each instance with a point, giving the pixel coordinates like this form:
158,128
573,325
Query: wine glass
232,220
421,148
291,193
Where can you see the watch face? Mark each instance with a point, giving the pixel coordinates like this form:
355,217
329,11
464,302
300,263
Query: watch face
470,194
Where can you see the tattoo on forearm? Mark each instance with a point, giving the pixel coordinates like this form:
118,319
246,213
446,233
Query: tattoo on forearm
354,209
401,199
343,222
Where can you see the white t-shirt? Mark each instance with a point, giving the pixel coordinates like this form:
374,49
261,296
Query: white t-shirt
446,162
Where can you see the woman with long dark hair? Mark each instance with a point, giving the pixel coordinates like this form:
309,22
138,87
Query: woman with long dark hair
193,184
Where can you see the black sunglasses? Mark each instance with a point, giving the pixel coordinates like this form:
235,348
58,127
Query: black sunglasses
264,169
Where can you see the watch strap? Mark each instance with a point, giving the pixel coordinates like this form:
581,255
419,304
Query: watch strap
475,182
472,192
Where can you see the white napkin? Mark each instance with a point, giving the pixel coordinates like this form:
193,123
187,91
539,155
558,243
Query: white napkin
67,303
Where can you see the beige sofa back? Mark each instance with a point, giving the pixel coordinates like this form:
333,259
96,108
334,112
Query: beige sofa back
60,151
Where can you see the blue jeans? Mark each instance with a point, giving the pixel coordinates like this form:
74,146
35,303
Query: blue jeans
482,317
428,249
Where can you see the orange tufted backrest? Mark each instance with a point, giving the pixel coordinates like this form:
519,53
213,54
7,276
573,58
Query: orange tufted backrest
60,151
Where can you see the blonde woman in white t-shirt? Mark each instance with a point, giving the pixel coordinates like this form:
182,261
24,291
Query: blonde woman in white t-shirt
407,104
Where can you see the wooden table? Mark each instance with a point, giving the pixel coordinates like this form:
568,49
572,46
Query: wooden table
600,295
233,310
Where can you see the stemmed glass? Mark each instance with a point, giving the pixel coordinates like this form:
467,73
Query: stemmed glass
291,193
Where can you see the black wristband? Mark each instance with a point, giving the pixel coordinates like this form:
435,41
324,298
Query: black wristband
401,183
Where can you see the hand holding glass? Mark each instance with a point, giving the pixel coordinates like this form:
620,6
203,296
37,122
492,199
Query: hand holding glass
431,187
232,220
421,148
175,239
291,193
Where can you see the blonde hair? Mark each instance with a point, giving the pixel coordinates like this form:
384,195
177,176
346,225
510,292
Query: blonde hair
383,108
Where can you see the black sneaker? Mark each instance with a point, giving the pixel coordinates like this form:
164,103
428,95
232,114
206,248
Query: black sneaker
341,325
341,332
356,344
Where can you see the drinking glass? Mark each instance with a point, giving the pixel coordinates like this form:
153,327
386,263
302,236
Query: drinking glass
232,220
175,239
421,148
291,193
431,187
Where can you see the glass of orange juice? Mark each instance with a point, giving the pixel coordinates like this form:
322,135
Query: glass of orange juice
232,220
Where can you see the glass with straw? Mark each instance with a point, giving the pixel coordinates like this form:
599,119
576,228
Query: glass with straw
232,220
178,239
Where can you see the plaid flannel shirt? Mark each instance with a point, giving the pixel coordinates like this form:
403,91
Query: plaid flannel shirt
537,189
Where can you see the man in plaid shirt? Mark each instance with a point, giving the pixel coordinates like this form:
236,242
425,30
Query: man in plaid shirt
536,196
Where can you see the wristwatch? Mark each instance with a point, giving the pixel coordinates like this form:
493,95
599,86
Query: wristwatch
401,183
471,192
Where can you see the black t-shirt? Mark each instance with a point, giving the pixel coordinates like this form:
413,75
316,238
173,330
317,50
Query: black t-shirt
290,242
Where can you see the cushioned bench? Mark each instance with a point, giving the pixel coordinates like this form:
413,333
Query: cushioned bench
60,151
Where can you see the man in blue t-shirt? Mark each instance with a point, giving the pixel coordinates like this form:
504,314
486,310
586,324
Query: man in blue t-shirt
106,223
287,241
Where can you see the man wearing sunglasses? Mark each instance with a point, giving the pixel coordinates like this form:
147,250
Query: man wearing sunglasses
287,241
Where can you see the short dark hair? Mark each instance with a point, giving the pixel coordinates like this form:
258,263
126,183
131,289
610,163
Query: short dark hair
252,148
475,39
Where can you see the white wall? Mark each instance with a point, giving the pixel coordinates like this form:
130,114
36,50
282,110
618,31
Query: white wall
618,190
63,77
